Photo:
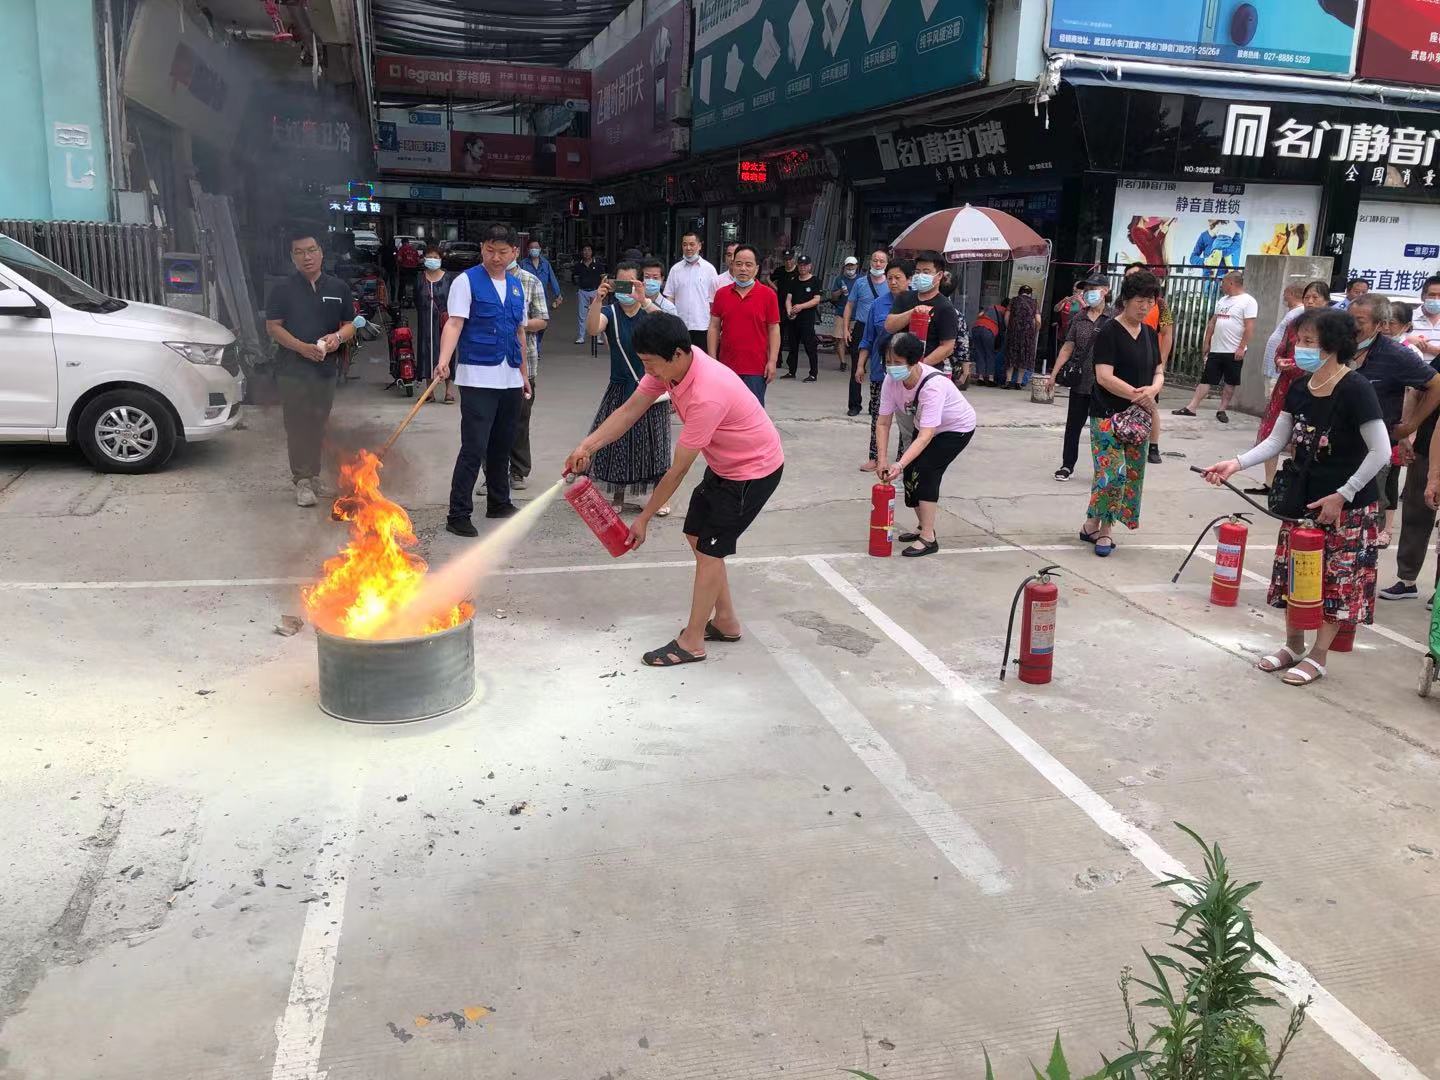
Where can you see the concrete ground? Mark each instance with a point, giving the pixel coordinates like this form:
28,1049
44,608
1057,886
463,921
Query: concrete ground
842,842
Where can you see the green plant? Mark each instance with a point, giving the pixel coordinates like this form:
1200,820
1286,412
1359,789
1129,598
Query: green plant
1206,993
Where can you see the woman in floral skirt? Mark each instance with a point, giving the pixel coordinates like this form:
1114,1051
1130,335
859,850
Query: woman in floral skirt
1341,443
1315,296
635,462
1127,373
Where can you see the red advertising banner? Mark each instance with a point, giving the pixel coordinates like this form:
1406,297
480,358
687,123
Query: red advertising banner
1402,42
630,126
480,79
488,155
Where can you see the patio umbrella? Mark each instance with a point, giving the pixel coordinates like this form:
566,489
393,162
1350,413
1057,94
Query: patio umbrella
969,233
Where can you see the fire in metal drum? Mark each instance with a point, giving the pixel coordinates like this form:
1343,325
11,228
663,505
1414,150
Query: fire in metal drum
397,681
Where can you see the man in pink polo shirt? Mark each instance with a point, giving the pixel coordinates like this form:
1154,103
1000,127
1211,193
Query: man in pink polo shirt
743,458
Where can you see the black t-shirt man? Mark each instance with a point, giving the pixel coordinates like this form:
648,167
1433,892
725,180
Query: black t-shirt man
944,319
800,291
1391,368
587,275
309,312
781,277
1133,358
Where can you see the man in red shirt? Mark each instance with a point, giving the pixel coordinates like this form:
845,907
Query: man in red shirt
744,332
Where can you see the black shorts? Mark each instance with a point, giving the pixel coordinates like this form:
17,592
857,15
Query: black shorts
923,475
721,509
1222,366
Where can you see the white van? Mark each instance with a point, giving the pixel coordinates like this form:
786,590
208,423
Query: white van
125,381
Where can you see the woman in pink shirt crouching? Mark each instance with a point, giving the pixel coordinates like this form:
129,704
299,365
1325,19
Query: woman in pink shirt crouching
944,424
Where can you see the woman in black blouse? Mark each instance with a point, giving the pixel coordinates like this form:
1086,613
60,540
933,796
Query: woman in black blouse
1341,442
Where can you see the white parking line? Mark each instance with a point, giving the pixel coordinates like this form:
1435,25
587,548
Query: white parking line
1365,1045
300,1032
952,834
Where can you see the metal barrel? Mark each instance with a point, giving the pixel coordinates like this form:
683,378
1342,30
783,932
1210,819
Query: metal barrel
396,681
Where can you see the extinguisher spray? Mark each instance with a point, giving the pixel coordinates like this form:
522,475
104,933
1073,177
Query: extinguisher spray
882,520
1230,543
595,510
1037,628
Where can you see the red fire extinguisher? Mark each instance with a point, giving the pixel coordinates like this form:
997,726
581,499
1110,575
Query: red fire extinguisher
595,510
882,520
1304,591
1037,628
1229,558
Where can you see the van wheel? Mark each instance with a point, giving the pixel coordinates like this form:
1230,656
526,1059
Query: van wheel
126,431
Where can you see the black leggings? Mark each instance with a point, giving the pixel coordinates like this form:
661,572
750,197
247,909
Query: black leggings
923,475
1077,420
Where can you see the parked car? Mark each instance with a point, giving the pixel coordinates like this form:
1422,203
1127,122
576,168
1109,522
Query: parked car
460,255
367,241
401,240
126,382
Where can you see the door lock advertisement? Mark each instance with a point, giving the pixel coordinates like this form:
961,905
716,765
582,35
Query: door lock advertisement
1313,37
1211,227
1396,246
762,67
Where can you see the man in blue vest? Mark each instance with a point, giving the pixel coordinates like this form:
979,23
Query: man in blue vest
486,336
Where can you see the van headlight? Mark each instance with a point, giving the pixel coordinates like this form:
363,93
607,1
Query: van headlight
198,352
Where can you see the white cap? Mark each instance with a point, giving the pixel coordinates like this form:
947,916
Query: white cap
851,259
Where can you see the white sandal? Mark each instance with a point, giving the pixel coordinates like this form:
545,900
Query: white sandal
1278,662
1302,677
664,511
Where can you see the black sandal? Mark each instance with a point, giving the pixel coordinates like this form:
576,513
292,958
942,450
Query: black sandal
908,537
930,548
714,633
671,655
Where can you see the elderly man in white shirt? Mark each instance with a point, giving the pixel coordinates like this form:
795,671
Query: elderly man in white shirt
691,286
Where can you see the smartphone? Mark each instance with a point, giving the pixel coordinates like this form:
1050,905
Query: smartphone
623,288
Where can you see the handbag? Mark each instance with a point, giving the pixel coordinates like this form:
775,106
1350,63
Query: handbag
1132,427
1070,373
1287,491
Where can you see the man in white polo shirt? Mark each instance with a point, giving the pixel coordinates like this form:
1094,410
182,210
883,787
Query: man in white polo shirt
690,287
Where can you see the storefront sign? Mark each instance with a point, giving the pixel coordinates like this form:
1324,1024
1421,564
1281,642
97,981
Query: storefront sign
479,79
1274,35
1402,42
174,69
752,172
404,148
630,124
605,201
766,66
1385,251
1170,223
355,206
312,136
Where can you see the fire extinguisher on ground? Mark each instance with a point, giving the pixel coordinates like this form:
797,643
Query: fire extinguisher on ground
1037,627
1230,538
882,520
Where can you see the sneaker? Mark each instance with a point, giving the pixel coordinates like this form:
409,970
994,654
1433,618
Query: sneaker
1400,591
852,412
788,375
304,493
504,510
1223,416
461,527
1154,457
1062,474
519,483
808,378
1182,412
579,341
321,489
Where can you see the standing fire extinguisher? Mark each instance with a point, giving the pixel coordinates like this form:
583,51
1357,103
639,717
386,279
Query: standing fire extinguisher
882,520
1229,558
1304,587
1037,628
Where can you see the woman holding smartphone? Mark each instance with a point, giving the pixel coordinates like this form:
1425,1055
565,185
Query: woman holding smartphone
636,461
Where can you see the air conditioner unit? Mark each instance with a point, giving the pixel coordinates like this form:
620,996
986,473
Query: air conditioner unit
680,106
679,140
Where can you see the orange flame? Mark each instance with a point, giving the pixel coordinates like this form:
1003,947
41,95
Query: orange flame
367,587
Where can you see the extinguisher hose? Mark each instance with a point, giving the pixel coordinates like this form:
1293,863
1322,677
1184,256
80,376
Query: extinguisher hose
1014,604
1196,546
1263,509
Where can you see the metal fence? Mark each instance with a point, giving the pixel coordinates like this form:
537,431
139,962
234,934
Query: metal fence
119,260
1191,293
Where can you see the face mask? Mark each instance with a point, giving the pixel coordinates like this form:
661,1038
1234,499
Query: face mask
1308,358
432,264
849,271
922,282
1093,298
1365,344
1432,307
897,371
627,298
877,274
742,281
693,258
534,253
652,287
511,265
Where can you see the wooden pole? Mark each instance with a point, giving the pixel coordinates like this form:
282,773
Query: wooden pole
409,416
